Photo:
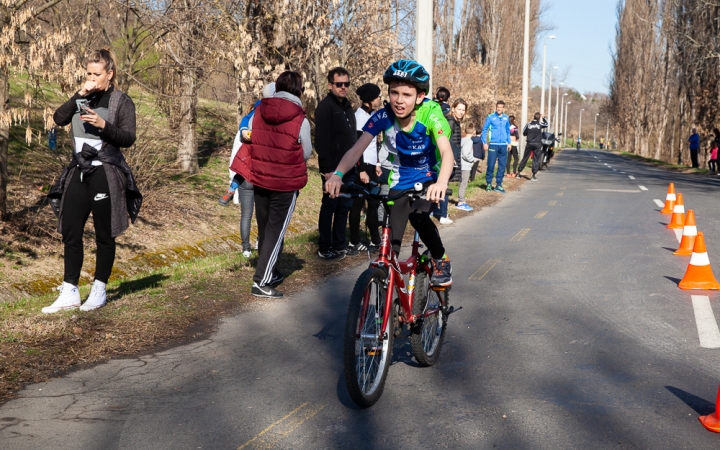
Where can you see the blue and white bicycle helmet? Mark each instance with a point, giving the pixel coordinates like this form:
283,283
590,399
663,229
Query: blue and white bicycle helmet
409,71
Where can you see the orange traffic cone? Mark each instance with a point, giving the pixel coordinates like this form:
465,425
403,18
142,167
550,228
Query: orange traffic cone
688,236
712,421
669,200
678,217
699,273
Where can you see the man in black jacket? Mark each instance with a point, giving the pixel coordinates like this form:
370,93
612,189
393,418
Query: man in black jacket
335,134
533,132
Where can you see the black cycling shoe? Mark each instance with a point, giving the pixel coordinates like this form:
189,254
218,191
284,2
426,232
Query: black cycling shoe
350,250
330,255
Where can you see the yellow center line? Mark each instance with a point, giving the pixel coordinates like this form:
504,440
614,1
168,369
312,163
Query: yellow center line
266,439
520,235
540,215
484,269
559,194
552,203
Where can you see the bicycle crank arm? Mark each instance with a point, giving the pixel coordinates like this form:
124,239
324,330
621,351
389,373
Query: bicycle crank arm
453,310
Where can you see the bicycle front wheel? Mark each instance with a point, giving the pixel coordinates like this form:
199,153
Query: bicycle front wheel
368,348
427,335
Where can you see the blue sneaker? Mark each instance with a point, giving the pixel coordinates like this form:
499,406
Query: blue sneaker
464,207
499,189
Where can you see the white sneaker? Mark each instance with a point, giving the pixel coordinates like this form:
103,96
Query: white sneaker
69,298
247,253
97,297
446,220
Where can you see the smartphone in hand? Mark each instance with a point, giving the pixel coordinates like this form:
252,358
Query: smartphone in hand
83,106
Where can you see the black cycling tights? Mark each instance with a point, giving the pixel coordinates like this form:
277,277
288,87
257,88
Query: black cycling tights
418,213
82,197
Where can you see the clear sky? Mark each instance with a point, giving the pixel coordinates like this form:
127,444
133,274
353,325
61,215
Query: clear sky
585,32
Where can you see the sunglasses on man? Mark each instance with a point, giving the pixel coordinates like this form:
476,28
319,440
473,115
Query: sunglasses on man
339,84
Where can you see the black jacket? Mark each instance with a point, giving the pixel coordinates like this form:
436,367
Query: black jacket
455,136
335,131
534,130
119,131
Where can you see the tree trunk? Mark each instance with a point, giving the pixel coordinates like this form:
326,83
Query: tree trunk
187,147
4,138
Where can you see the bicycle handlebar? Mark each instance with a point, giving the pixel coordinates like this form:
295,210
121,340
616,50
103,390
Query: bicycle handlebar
355,191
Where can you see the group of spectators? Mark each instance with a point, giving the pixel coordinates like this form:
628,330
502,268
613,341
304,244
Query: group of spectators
268,167
694,144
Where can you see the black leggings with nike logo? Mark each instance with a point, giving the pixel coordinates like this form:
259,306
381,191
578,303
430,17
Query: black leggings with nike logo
81,198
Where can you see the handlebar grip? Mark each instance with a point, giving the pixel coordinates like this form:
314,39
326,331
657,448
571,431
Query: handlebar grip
448,192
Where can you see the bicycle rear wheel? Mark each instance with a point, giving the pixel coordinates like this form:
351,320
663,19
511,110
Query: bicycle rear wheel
427,335
368,349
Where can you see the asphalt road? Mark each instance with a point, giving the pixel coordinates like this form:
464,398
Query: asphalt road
573,335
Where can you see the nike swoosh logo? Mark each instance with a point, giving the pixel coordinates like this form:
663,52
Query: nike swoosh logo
264,292
101,197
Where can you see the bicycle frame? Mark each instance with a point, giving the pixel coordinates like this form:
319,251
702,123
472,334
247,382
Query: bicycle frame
395,282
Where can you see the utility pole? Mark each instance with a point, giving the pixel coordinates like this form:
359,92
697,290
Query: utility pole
595,129
558,108
565,132
424,36
526,73
607,133
580,125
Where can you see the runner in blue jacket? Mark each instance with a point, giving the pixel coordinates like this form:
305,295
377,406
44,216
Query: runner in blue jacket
496,139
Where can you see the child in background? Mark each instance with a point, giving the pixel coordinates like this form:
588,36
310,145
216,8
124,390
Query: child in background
467,160
713,163
478,153
243,135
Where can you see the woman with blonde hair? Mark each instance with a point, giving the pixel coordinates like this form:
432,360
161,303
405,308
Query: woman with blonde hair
98,180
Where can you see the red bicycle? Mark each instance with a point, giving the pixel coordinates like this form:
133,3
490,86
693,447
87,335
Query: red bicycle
383,298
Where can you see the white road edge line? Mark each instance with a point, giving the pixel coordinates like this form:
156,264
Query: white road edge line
631,177
659,202
642,188
707,326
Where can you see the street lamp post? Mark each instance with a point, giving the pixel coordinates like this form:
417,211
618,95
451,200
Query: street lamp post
558,108
595,129
565,131
542,93
580,125
549,114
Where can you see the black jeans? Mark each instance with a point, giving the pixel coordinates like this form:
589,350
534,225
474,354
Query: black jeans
333,220
247,201
273,211
512,154
418,212
81,198
536,151
694,158
371,221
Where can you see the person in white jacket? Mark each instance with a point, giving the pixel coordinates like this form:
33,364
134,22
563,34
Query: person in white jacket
467,159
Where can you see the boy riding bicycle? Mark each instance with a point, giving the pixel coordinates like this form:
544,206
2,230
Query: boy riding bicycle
416,139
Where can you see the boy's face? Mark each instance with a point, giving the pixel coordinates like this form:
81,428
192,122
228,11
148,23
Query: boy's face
403,98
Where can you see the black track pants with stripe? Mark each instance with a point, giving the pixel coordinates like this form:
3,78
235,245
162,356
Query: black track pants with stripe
273,211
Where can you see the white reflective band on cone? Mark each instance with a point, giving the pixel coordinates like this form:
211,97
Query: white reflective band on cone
677,209
690,230
699,259
670,197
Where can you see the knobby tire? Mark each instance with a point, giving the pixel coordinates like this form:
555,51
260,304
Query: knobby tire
427,336
366,361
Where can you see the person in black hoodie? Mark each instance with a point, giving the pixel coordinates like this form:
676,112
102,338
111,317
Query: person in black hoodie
533,131
98,180
335,134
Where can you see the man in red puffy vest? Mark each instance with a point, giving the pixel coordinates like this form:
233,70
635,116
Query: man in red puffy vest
274,163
